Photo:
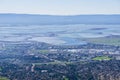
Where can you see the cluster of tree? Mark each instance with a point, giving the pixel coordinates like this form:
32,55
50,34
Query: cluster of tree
95,70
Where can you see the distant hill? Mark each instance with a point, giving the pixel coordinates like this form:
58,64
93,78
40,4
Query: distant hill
51,19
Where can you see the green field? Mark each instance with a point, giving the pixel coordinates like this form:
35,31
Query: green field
105,40
43,51
56,62
3,78
100,58
66,78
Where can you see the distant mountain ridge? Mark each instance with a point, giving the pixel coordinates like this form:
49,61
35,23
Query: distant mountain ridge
53,19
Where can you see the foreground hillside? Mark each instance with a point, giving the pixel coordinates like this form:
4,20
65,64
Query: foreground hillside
40,61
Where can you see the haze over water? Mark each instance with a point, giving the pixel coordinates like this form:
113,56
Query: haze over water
56,34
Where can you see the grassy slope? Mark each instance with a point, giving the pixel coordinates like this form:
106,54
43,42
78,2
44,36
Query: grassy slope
105,40
99,58
3,78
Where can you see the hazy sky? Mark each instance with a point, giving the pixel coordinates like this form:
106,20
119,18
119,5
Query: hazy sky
60,7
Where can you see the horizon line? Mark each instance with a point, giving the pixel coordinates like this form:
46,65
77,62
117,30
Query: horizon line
56,14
